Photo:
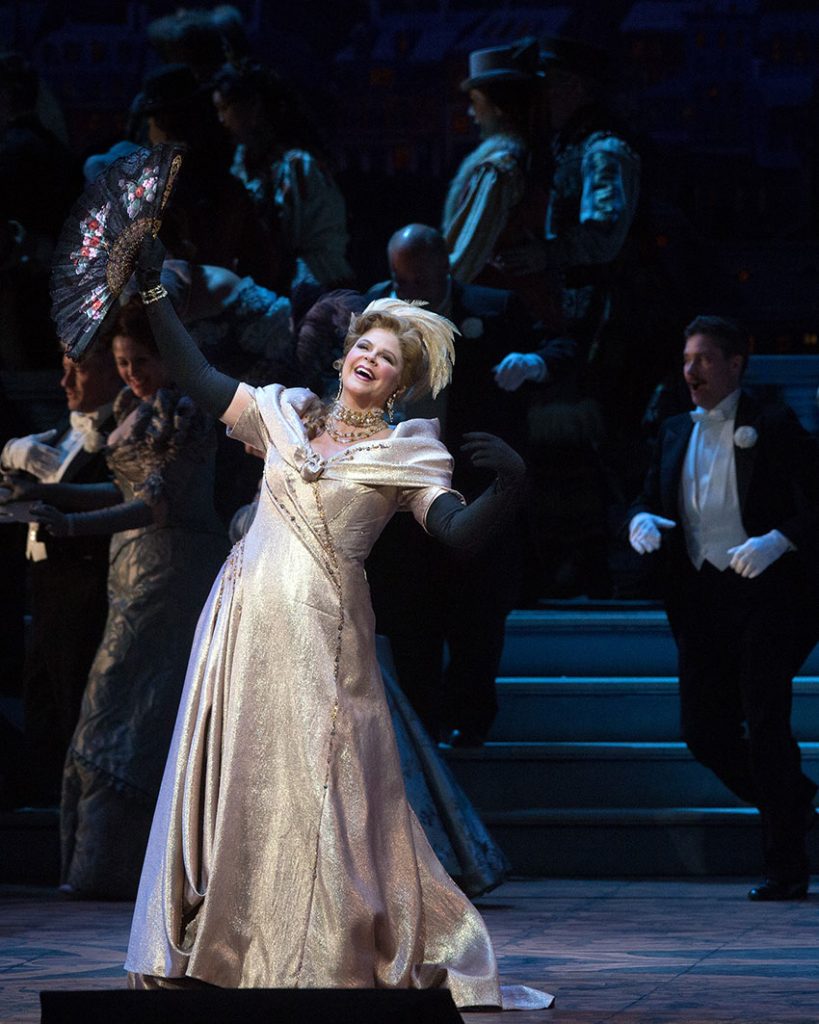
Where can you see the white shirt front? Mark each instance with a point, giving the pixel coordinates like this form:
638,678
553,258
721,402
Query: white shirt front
69,445
709,501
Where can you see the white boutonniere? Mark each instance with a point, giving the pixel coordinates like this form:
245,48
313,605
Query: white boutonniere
745,437
472,327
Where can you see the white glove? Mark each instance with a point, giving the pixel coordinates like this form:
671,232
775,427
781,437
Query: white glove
758,553
32,454
644,532
518,367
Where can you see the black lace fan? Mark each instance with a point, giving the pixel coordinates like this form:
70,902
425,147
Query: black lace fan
97,249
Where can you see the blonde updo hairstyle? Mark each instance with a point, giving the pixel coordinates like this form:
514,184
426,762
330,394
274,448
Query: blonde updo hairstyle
414,382
427,350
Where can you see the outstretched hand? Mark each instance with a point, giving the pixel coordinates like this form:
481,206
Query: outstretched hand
645,534
487,451
150,258
57,523
17,487
34,454
516,368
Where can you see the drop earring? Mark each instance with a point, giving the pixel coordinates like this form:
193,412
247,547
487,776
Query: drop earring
391,406
340,389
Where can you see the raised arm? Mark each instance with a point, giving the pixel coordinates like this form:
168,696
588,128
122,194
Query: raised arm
470,527
212,391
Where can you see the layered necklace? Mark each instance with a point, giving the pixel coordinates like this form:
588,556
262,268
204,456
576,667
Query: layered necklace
360,425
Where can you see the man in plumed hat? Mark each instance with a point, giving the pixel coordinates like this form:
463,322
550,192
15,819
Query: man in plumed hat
490,184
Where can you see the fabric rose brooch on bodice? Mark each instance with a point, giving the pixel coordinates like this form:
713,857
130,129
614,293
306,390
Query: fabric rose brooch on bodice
309,463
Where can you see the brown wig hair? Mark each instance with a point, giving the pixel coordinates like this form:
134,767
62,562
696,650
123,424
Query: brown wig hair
132,321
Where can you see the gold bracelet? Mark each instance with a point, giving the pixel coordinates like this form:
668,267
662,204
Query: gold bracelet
154,294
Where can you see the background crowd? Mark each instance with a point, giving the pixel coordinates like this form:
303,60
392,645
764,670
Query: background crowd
538,257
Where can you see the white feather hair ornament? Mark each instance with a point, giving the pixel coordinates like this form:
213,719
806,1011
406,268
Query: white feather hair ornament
437,336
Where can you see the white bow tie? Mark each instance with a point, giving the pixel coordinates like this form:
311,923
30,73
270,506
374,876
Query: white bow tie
85,423
704,415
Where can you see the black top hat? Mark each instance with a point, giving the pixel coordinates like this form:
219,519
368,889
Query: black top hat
168,86
514,62
574,56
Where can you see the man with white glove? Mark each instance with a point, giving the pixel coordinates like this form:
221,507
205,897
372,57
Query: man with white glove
552,361
742,481
33,454
757,554
644,532
518,367
68,575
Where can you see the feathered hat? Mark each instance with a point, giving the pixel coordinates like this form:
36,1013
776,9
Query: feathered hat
437,337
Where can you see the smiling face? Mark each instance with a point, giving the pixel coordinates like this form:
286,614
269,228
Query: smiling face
709,373
138,366
371,371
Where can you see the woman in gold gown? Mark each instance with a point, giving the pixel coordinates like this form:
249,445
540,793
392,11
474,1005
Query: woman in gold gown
283,852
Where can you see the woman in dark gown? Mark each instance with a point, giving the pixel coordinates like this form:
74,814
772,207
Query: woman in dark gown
166,546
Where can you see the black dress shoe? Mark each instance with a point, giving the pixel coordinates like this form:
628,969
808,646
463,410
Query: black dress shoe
771,889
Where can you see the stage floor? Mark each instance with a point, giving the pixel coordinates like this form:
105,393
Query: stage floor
632,952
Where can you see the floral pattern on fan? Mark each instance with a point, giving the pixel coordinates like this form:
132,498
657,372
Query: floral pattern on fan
98,246
143,190
93,239
94,304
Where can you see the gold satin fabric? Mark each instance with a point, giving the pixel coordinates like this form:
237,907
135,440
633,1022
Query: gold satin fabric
283,851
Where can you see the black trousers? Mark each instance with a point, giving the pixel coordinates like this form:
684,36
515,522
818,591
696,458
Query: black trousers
69,608
430,600
740,642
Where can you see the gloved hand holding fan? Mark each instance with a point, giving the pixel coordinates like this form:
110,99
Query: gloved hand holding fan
97,249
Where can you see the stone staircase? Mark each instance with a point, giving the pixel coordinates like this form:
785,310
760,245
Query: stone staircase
584,773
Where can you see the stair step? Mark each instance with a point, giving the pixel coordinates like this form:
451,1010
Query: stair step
624,841
586,643
606,708
504,776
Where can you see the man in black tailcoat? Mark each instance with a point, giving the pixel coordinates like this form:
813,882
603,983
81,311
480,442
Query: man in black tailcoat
68,575
423,596
732,498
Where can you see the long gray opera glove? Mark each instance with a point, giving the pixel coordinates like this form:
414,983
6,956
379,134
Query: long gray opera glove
150,260
469,527
130,515
187,367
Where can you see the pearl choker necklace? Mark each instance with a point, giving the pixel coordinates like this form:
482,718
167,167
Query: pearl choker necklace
363,424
